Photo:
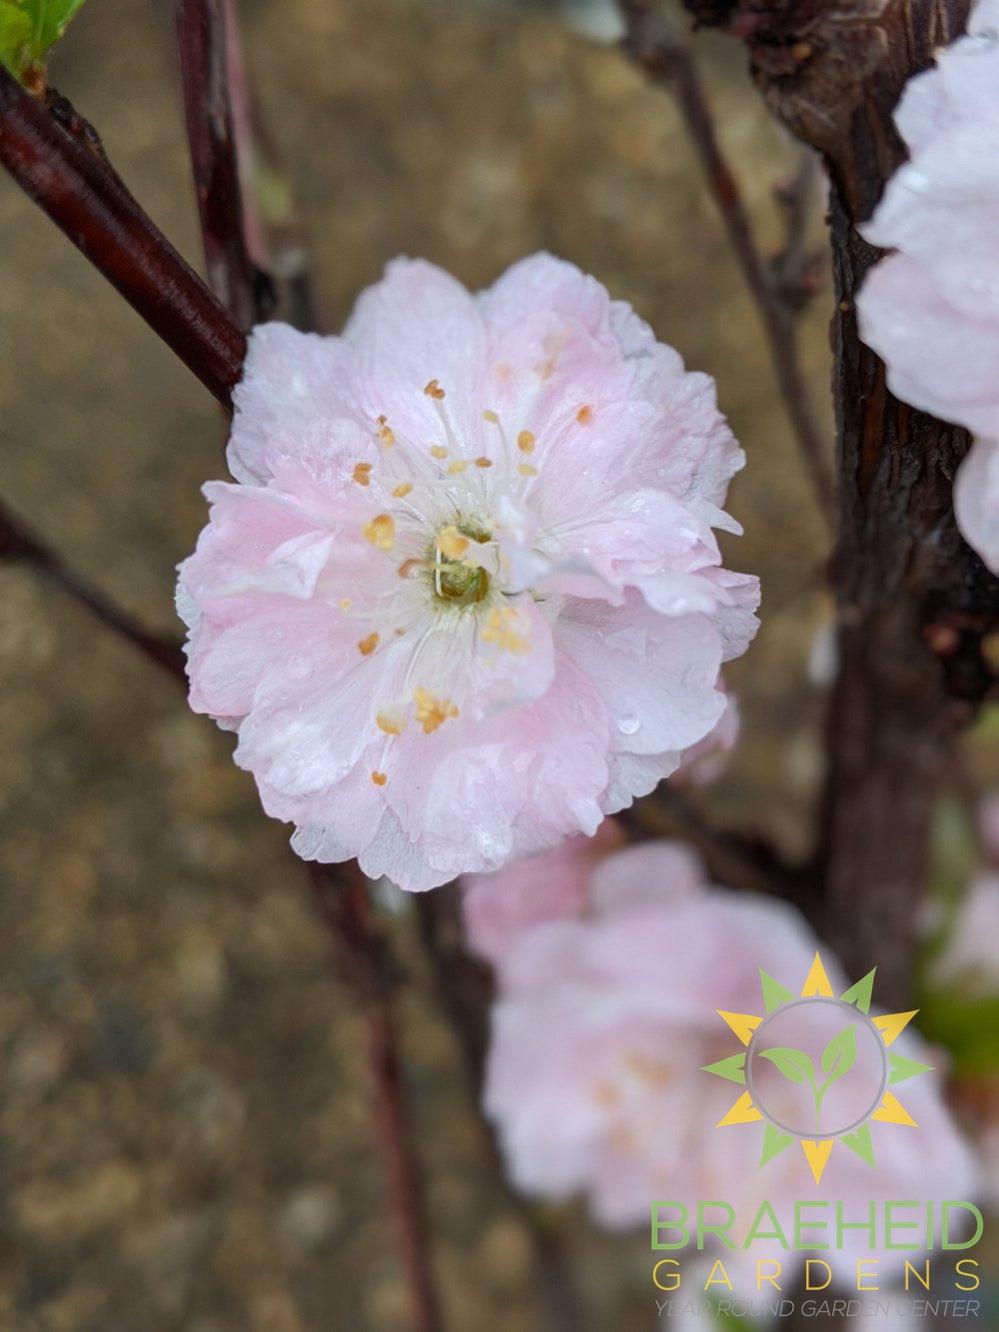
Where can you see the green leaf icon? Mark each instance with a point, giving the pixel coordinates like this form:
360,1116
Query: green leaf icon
839,1056
795,1065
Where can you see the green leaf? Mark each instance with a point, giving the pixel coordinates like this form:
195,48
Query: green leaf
28,28
795,1065
15,35
50,19
840,1055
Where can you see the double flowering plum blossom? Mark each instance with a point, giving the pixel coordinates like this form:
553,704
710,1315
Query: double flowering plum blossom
931,309
465,598
605,1019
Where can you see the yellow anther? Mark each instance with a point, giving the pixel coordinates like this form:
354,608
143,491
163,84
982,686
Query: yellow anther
362,474
585,414
392,723
483,462
380,531
379,778
457,467
407,567
385,432
438,451
434,390
451,544
345,603
491,417
525,441
504,626
367,645
402,489
431,711
525,469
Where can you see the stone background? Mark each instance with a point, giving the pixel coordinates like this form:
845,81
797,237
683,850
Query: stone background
184,1125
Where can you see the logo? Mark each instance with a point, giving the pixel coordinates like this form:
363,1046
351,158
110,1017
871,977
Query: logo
817,1069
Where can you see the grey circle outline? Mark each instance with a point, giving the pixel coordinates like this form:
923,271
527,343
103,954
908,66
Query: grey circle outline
798,1003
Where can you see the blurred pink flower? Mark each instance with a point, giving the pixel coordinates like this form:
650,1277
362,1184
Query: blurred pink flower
988,826
969,960
931,309
600,1034
465,599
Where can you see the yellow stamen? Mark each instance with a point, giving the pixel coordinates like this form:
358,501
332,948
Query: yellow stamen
345,603
491,417
525,441
362,474
367,645
525,469
385,432
379,778
381,531
483,462
432,712
457,467
438,451
392,723
434,390
402,489
451,544
585,415
504,627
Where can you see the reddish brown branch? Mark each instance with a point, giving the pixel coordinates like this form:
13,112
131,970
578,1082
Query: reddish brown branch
88,202
342,901
204,46
18,544
667,59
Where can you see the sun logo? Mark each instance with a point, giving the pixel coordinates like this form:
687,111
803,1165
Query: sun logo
817,1069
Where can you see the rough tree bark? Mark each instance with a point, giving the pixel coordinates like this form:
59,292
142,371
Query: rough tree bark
914,602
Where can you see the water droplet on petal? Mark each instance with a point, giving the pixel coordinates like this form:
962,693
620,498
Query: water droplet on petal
628,725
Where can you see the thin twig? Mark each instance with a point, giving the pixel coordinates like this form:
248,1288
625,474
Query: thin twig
274,235
465,991
343,903
88,202
798,272
203,45
667,59
17,544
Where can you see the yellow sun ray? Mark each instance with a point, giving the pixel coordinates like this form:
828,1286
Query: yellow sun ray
743,1112
817,982
817,1155
892,1111
892,1025
743,1024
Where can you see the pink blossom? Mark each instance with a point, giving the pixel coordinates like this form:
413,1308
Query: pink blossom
931,309
465,598
600,1034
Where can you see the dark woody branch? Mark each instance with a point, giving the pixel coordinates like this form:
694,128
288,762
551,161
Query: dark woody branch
74,185
915,604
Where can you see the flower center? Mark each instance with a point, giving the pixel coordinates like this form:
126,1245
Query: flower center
458,577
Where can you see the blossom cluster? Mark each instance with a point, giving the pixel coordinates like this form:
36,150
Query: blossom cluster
611,963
